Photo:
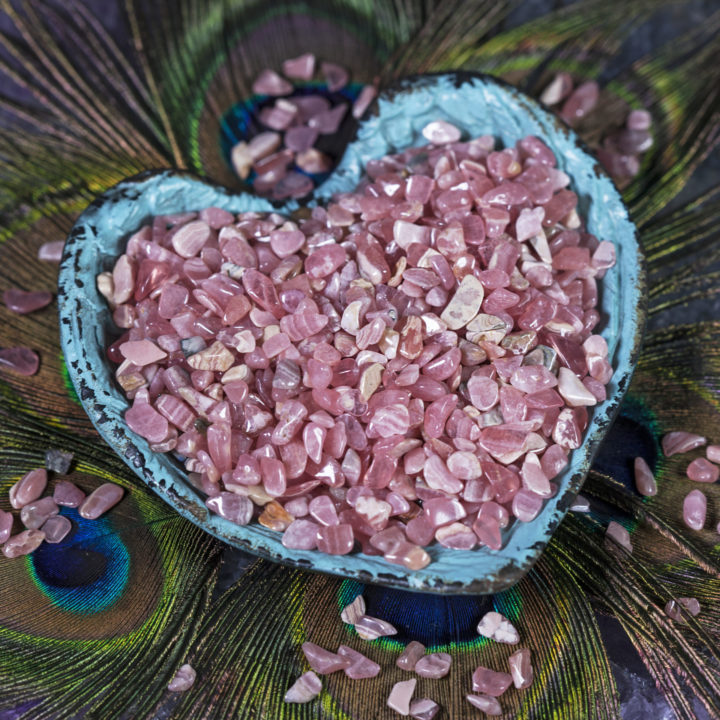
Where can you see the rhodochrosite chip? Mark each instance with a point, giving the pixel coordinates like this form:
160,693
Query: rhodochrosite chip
411,364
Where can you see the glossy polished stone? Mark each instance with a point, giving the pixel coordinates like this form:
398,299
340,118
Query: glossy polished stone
29,488
100,500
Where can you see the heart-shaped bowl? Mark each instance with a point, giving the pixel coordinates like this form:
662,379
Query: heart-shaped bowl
478,105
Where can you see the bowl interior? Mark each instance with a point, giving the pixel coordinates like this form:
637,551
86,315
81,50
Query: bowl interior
478,105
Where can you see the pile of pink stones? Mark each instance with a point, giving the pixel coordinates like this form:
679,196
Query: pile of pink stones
294,125
39,515
411,364
487,685
621,149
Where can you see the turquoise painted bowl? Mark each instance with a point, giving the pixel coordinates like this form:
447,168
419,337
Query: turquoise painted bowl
478,105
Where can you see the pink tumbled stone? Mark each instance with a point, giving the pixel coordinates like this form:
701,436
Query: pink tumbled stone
268,82
677,609
183,679
235,508
34,514
558,89
273,475
701,470
567,432
485,703
366,96
56,528
437,414
278,117
51,251
100,500
440,132
491,518
190,238
695,510
335,76
529,223
390,420
336,539
521,668
411,556
322,509
674,443
301,67
400,696
490,682
323,661
644,479
483,391
328,121
144,420
438,477
306,688
360,667
582,100
553,461
371,628
424,709
6,523
443,511
464,465
23,543
410,655
216,217
20,360
142,352
712,452
301,535
526,505
22,302
619,534
29,488
533,378
325,260
435,665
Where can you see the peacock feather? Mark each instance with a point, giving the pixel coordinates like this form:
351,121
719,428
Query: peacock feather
97,625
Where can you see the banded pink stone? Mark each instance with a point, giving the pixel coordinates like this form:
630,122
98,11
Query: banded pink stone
100,500
674,443
361,667
306,688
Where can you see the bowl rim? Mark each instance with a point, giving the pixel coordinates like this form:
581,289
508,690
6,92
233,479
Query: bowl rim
93,398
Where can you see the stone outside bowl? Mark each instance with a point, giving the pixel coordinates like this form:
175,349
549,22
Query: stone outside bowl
478,105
